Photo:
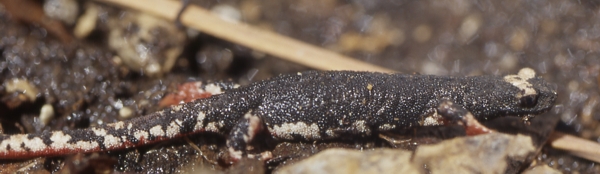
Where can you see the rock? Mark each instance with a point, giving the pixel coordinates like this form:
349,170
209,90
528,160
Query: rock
488,153
139,40
354,161
545,169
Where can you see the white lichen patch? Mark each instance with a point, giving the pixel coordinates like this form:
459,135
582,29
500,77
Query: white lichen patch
15,141
118,125
200,120
111,141
176,108
433,119
387,127
99,131
362,127
157,131
212,127
86,145
34,144
173,128
430,121
330,133
521,81
213,89
140,134
60,141
286,130
254,125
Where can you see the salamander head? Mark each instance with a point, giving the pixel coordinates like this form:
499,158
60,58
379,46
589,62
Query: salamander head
522,94
533,94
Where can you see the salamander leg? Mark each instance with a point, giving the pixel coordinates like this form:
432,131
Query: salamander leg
457,114
242,134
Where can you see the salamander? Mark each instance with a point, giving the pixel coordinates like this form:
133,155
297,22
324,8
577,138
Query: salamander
307,106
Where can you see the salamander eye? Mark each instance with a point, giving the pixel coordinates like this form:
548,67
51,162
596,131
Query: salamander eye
529,101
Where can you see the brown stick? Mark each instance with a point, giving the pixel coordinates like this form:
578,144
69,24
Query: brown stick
243,34
577,146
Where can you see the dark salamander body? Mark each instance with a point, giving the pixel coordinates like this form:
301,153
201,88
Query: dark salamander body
310,105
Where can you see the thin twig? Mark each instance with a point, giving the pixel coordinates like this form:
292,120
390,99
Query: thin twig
199,150
249,36
577,146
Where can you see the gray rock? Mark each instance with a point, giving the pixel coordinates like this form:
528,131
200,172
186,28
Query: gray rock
489,153
545,169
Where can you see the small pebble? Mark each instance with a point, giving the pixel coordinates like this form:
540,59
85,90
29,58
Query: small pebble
23,86
46,114
125,113
139,41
